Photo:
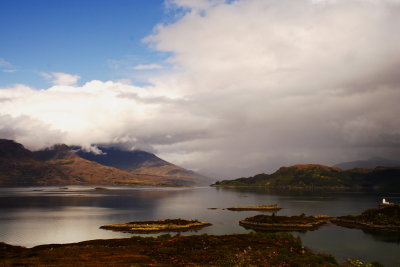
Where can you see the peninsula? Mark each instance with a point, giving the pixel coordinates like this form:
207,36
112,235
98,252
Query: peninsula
385,218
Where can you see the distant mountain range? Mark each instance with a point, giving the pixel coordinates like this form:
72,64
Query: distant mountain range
62,165
368,164
320,176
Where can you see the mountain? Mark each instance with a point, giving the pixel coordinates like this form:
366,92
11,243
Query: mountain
369,163
320,176
57,166
19,166
145,164
62,165
81,171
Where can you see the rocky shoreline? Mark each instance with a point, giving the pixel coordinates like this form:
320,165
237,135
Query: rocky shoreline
385,218
284,223
365,226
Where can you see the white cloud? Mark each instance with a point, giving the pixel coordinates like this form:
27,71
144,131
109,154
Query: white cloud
60,78
254,85
147,67
97,112
290,81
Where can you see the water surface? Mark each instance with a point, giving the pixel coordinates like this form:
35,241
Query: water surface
32,216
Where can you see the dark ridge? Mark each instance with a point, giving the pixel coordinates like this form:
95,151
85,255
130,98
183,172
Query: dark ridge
123,160
11,149
54,152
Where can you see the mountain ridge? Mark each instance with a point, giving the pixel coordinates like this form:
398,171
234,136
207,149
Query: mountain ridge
368,163
143,163
61,165
321,176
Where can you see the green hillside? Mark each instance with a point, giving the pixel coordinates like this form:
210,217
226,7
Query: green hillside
320,176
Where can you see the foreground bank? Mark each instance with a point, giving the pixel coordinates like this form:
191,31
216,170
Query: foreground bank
225,250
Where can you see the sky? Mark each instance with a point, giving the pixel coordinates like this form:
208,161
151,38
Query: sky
226,88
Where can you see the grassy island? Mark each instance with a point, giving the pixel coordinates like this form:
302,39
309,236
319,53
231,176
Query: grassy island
197,250
384,218
284,223
256,208
163,225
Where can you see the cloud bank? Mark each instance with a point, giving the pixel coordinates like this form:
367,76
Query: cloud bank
253,85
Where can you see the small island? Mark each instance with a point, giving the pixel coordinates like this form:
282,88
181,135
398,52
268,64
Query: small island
385,218
163,225
256,208
284,223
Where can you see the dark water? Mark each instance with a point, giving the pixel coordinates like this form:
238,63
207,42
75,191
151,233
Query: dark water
42,215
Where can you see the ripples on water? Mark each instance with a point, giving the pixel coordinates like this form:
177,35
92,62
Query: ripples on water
31,216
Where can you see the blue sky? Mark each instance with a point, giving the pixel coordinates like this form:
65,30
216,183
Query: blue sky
92,39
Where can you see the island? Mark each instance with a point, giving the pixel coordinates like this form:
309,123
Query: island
256,208
163,225
320,177
195,250
385,218
284,223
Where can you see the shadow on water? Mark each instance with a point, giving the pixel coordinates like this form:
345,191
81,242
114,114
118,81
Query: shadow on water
390,237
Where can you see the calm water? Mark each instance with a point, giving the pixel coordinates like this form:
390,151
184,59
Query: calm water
42,215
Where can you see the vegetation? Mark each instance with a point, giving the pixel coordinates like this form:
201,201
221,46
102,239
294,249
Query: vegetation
385,218
315,176
359,263
164,225
284,223
257,208
196,250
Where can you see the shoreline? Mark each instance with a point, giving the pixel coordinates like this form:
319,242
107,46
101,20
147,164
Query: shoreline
365,226
167,250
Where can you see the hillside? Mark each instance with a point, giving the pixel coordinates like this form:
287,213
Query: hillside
58,166
368,164
144,164
320,176
19,166
81,171
61,165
